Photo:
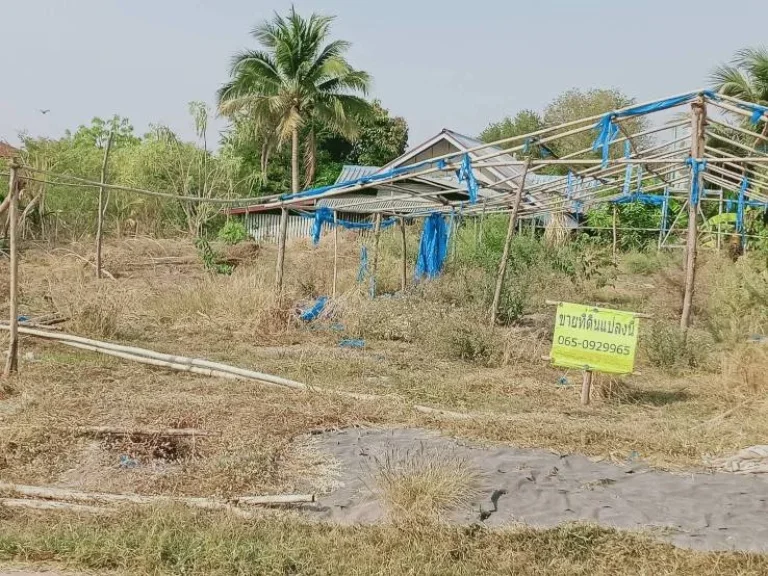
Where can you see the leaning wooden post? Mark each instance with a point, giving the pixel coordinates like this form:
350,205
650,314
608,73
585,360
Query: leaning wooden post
404,275
281,238
102,207
12,362
615,242
482,222
698,123
508,243
335,253
586,387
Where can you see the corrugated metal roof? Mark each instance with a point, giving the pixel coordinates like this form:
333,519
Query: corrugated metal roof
366,203
351,172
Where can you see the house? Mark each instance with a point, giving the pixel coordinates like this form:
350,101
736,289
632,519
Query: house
417,194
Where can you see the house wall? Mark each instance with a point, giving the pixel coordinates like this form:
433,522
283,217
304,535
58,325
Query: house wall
265,227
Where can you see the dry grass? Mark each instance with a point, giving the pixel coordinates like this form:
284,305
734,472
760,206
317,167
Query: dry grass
423,486
171,541
431,346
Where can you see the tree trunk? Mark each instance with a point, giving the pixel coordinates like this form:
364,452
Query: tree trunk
295,175
283,232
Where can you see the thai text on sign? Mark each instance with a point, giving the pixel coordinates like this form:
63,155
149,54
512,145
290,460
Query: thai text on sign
594,339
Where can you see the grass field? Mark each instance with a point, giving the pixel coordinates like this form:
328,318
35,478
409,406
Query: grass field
432,347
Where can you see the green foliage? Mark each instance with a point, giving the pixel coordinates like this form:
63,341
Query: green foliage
524,122
210,259
298,79
233,232
667,347
381,139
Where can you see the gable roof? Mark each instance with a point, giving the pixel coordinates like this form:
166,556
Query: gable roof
8,151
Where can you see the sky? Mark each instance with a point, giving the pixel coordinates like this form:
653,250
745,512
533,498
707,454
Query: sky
439,64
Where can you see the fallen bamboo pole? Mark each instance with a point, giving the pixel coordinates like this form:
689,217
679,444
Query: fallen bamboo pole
151,432
181,363
59,494
52,505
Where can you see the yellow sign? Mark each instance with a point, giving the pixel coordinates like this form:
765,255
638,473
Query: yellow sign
596,339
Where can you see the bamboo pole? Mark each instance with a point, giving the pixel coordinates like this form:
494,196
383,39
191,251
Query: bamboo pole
180,363
335,253
404,271
281,240
719,219
508,243
615,243
586,387
100,431
375,266
102,206
482,222
59,494
698,124
38,504
12,362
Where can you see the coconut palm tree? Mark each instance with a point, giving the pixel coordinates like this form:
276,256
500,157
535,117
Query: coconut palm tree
746,77
298,81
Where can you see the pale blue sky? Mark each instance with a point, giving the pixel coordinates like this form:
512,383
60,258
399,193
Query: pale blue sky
437,63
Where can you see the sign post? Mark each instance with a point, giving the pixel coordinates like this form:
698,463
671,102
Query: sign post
594,340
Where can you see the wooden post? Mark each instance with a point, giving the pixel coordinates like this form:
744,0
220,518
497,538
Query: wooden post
454,235
720,217
698,123
375,267
508,243
335,252
12,362
586,387
404,277
615,239
281,238
102,207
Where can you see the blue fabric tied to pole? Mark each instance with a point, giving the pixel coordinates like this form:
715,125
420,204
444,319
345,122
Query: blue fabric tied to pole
643,198
608,130
569,185
697,167
664,210
466,174
314,312
322,216
757,113
639,180
433,247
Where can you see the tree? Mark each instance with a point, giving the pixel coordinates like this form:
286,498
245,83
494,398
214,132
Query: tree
296,80
746,77
382,138
524,122
575,104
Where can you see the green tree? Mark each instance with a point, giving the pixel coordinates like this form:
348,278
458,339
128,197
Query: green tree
297,79
524,122
576,104
746,77
382,138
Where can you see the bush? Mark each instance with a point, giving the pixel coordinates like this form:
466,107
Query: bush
233,232
667,347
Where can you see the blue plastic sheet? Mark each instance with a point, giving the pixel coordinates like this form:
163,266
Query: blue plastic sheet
466,174
665,211
697,167
608,130
740,211
324,215
433,247
314,312
644,198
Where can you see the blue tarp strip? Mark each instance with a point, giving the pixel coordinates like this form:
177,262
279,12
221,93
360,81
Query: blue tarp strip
697,167
362,271
644,198
324,215
608,130
315,311
466,174
433,247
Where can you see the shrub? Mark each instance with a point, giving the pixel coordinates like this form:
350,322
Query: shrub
669,348
233,232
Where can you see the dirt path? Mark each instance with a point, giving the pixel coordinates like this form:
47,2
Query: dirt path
701,511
